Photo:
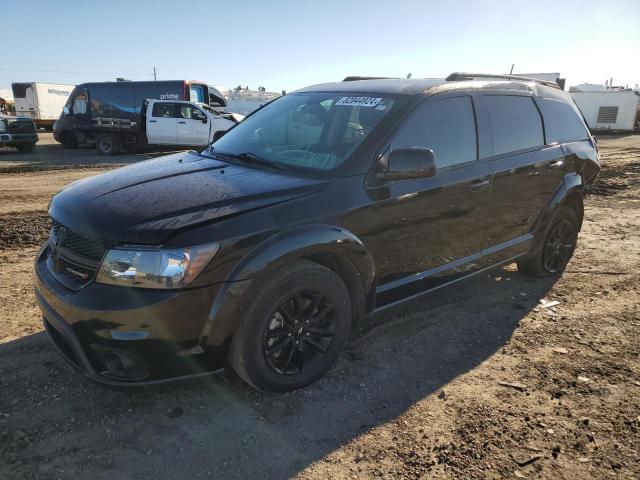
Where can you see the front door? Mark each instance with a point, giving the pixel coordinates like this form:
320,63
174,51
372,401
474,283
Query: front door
193,125
432,229
162,124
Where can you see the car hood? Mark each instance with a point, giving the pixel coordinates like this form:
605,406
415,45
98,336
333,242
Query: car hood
145,202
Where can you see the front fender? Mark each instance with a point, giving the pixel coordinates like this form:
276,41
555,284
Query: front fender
273,252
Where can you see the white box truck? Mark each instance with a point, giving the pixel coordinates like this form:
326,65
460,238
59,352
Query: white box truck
41,102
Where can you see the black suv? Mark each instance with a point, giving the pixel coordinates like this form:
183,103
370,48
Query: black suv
327,204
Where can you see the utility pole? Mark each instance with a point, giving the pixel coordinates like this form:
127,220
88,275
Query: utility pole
154,74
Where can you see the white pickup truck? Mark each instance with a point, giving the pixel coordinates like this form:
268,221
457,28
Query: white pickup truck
163,123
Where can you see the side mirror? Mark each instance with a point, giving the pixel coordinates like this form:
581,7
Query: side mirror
204,119
65,110
410,162
218,135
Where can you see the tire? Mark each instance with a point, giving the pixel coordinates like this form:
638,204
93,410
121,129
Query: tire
552,254
280,345
69,140
109,144
26,148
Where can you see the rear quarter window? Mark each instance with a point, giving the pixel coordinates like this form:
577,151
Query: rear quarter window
515,123
562,122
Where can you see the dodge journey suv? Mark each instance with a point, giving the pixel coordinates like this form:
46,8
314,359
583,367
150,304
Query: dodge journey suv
266,248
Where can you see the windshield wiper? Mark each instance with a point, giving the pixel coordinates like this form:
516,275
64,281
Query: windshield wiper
251,158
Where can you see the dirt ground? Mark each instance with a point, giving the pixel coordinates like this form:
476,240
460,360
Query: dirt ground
476,381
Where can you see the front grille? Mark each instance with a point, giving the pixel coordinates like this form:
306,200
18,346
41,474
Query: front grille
74,258
89,248
21,126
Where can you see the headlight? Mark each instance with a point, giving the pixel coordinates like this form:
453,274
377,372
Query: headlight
155,268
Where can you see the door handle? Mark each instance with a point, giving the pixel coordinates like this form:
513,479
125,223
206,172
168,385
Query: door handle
478,184
153,121
182,122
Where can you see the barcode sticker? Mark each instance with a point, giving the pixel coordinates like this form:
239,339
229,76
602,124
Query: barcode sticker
359,101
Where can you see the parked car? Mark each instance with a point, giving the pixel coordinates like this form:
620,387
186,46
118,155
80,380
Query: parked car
330,203
111,115
18,132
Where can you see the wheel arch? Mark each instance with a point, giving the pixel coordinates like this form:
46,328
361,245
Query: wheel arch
569,193
335,248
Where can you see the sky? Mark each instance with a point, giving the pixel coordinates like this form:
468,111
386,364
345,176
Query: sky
290,44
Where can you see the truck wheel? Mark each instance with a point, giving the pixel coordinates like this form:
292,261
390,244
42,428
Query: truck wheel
293,328
556,248
109,144
27,147
69,140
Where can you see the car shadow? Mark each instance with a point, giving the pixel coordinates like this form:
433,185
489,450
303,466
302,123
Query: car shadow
223,428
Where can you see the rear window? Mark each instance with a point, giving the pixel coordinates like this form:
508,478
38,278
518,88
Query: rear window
562,122
163,110
515,123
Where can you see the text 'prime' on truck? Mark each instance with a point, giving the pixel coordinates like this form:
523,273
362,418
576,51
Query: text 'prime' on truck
118,116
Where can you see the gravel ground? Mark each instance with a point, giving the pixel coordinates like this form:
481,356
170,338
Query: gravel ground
480,380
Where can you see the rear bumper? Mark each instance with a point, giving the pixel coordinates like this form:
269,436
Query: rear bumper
125,337
11,139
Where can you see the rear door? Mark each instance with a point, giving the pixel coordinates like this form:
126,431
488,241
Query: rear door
193,125
162,124
430,229
527,169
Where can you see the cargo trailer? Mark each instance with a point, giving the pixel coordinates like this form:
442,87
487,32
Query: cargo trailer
42,102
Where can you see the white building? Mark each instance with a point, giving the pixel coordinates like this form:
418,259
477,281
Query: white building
608,108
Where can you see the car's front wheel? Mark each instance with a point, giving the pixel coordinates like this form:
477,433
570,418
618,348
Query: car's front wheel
555,250
293,329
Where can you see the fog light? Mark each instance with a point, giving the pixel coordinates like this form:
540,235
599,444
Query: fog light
120,364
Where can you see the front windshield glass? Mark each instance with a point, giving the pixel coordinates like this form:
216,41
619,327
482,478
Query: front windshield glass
316,131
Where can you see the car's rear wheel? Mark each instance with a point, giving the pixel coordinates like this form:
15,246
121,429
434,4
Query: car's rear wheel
555,250
109,144
26,147
294,328
69,140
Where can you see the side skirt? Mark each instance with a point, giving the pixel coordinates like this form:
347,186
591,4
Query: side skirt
414,286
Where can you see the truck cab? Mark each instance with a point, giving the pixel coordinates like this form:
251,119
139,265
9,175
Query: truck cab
183,123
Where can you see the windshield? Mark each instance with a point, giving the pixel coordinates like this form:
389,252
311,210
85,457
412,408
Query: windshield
316,131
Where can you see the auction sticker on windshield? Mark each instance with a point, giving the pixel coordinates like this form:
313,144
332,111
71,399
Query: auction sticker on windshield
359,101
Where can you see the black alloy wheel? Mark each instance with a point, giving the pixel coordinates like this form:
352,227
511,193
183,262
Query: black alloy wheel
552,252
299,331
559,246
293,327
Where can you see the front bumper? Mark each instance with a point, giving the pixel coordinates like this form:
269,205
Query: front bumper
12,139
122,336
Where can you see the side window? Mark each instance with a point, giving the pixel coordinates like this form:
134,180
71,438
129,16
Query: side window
446,126
515,123
191,112
163,110
562,122
80,103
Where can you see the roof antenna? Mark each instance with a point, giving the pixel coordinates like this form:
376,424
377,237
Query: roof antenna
408,76
511,71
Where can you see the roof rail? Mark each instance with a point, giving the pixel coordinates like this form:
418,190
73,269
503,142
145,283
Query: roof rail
353,78
456,76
